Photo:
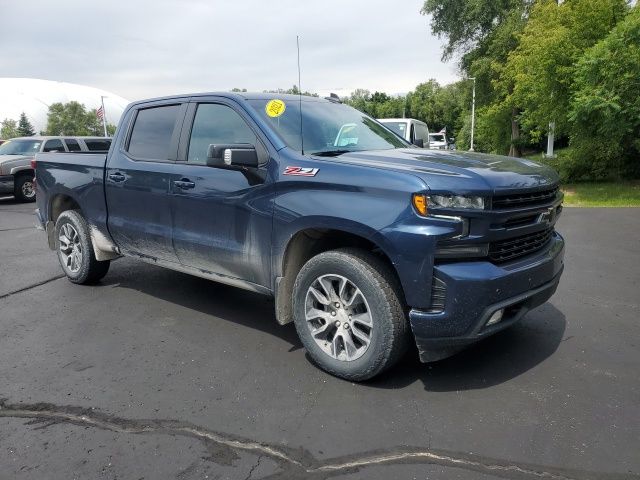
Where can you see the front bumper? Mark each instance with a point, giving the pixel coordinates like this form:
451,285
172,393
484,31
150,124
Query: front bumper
475,290
6,184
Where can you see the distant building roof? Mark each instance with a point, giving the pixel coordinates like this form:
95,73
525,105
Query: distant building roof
33,97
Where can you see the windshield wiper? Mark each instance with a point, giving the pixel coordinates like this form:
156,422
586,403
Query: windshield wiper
330,153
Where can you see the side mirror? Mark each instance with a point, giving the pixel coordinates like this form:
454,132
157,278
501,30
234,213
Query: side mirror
232,155
418,142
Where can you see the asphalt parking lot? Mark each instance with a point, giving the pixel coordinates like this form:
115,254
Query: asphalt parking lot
154,374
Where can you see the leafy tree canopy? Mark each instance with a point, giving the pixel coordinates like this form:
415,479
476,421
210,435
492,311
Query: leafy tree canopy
605,105
72,119
8,129
541,70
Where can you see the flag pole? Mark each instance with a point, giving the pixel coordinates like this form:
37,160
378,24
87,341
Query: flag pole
104,116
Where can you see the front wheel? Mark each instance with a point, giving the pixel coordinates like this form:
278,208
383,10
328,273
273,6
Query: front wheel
75,250
348,313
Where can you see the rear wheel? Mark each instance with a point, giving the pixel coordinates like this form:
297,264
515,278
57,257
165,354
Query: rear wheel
348,313
75,250
24,188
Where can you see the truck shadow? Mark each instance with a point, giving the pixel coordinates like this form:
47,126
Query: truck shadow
490,362
223,302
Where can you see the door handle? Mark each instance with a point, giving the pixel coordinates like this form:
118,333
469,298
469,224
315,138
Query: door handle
184,184
117,177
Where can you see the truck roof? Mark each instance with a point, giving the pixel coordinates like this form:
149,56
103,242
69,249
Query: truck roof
49,137
238,96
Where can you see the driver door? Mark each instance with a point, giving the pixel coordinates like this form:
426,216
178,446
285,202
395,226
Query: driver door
222,218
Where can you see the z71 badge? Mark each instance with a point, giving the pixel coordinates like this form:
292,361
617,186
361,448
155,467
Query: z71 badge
301,171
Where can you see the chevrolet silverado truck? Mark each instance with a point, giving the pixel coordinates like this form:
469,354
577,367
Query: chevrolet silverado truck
365,241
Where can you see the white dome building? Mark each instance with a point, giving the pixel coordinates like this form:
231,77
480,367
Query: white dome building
33,97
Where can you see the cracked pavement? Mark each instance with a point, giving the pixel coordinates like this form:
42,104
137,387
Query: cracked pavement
155,374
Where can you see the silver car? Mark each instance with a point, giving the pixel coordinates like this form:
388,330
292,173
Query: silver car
16,171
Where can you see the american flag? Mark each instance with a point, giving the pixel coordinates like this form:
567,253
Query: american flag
100,113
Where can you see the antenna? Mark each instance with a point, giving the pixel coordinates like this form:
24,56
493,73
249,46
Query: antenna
300,96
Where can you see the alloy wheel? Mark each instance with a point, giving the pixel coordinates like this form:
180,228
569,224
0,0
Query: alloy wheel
338,317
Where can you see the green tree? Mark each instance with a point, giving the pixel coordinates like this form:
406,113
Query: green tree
421,103
438,106
359,99
605,105
468,24
378,104
482,33
540,72
25,129
72,119
8,129
392,107
441,106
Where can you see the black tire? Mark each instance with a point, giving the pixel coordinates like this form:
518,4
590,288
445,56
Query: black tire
24,188
377,282
87,270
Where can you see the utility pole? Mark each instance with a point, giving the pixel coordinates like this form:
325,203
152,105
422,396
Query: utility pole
550,139
473,111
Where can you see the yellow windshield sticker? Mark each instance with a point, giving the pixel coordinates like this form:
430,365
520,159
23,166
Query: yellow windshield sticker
275,108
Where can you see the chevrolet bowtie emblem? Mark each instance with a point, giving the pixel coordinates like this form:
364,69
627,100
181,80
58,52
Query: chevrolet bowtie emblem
548,216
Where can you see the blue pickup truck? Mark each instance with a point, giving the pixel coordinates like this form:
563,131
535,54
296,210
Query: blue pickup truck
365,241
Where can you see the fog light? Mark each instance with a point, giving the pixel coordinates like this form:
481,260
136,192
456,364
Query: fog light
495,317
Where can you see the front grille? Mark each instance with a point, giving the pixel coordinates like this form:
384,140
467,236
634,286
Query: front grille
516,247
438,296
520,200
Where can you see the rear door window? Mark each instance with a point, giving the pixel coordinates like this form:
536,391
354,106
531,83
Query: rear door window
152,132
53,146
72,144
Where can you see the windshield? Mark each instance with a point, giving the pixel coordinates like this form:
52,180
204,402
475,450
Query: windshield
20,147
399,127
436,137
328,128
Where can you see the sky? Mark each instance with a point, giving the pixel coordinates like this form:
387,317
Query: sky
142,49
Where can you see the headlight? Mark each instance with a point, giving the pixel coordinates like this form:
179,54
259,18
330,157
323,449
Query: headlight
455,201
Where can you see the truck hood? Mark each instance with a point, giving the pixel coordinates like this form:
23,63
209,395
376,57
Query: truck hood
459,171
7,162
9,158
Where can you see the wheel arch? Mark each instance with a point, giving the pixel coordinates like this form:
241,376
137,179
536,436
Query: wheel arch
310,241
58,203
22,171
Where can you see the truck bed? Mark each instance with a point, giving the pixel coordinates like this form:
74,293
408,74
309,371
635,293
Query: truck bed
64,176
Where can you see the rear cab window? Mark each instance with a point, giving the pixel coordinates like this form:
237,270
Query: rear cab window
97,144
